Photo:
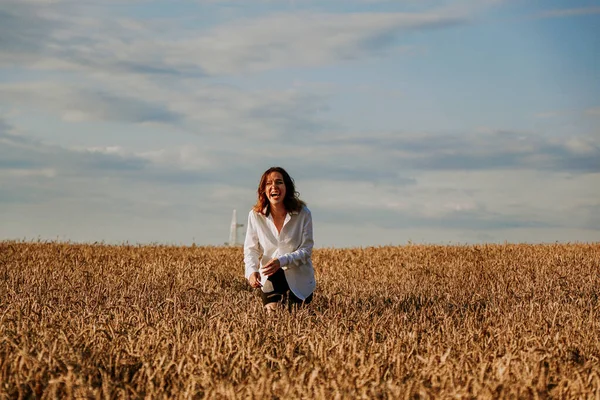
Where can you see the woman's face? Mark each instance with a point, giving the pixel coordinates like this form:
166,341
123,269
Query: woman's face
275,188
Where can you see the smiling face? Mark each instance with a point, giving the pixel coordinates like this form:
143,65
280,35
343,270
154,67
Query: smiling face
275,189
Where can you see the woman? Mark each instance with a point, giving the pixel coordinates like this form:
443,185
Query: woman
279,242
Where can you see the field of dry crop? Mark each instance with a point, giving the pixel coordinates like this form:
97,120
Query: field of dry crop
485,321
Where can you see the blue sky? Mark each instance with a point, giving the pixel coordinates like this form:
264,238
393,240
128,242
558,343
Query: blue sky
427,121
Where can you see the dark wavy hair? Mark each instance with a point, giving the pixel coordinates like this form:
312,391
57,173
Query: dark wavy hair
291,201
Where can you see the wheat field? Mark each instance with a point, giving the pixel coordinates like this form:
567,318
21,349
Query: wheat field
414,321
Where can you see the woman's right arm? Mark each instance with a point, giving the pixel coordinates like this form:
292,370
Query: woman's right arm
252,248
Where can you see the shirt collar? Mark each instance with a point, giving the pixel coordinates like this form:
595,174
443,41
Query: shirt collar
290,213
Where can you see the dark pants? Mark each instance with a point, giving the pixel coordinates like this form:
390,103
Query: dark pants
281,292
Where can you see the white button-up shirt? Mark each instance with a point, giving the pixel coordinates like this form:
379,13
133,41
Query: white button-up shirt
292,247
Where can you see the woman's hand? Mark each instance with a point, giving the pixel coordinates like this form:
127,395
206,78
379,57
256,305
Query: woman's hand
271,267
254,280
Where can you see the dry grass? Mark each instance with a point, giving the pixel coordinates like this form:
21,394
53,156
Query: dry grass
490,321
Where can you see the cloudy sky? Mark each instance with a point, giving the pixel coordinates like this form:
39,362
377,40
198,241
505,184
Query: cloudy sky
430,121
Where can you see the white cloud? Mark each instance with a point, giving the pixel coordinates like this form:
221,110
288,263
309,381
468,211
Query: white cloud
112,186
496,149
75,40
490,202
305,39
582,146
76,105
193,106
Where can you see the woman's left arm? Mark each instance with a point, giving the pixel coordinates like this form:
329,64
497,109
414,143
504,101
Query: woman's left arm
304,251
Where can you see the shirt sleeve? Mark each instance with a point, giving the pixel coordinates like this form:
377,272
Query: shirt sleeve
304,252
252,248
